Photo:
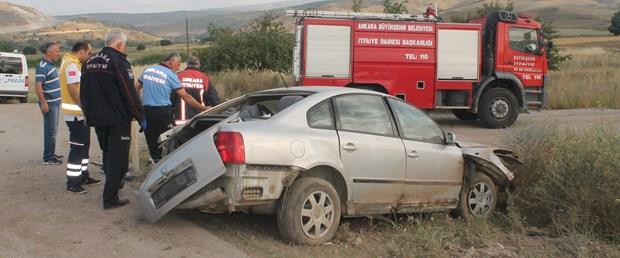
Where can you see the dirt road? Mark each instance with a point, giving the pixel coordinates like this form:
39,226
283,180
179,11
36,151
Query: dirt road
40,219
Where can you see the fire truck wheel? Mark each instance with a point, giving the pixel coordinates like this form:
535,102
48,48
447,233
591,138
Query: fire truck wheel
465,115
499,108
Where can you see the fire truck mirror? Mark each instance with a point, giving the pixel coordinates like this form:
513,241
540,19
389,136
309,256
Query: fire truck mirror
532,47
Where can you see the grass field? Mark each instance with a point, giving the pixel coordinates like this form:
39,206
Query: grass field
590,80
589,42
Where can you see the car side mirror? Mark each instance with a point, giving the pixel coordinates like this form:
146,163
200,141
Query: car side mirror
450,138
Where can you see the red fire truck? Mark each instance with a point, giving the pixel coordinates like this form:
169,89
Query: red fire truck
488,69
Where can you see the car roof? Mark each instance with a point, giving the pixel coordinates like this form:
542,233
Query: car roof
330,90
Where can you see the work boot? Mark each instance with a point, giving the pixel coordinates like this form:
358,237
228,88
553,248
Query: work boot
77,190
52,161
91,181
119,203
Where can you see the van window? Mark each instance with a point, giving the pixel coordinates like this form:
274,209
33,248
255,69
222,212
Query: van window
10,65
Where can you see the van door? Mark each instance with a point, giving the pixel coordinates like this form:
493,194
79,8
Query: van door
13,76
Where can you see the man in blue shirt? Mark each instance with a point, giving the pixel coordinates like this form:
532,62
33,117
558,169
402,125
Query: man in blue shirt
47,87
158,83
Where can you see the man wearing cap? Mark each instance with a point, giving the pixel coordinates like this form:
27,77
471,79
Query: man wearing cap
158,82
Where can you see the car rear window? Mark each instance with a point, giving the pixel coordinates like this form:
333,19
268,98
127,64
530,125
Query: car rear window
10,65
259,106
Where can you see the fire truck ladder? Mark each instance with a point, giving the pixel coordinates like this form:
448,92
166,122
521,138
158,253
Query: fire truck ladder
354,15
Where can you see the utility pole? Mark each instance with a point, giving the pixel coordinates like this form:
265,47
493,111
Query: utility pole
187,34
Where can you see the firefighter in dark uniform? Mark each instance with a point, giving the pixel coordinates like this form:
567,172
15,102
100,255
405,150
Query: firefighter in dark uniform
158,82
197,85
109,103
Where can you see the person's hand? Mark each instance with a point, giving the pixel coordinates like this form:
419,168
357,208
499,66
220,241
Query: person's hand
44,107
204,108
142,125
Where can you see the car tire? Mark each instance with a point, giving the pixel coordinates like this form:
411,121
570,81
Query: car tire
309,212
499,108
464,115
478,198
23,100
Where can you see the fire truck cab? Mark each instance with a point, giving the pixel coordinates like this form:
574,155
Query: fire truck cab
489,69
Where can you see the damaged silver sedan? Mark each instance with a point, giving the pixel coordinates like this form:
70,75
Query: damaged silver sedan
311,155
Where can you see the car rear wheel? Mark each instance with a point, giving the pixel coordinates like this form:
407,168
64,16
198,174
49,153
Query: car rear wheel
309,212
465,115
478,197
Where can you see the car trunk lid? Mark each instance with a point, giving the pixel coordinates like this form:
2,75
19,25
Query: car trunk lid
180,174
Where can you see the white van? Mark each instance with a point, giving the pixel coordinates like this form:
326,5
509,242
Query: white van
13,76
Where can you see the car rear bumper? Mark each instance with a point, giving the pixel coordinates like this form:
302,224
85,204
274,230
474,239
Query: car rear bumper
14,93
243,187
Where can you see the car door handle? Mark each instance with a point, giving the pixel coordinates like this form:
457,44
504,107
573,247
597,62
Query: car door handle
349,147
413,154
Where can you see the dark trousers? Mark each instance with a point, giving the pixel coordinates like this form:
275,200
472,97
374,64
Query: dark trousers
114,141
79,144
158,120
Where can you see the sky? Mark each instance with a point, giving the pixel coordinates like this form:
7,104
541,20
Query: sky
65,7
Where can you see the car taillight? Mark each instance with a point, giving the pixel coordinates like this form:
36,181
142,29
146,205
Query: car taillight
231,148
26,82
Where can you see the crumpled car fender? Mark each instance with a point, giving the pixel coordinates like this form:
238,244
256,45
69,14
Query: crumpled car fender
493,162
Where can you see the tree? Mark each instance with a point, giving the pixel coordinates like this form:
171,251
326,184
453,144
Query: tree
165,42
392,6
29,50
357,5
615,24
554,57
140,47
489,8
263,45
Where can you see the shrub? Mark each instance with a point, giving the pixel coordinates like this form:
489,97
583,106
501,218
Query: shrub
5,46
29,50
140,47
570,180
231,84
165,42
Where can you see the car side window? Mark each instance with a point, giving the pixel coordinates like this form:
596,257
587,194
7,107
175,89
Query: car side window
363,113
321,116
414,124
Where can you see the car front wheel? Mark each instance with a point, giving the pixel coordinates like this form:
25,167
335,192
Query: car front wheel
478,197
309,212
